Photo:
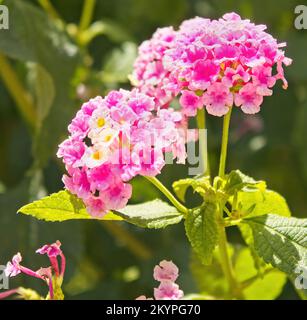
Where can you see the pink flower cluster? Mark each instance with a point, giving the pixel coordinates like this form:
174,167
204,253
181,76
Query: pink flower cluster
166,273
112,140
216,64
149,74
53,251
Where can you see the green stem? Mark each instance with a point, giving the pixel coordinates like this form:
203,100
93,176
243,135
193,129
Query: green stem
226,263
201,124
87,15
168,194
224,143
49,8
21,97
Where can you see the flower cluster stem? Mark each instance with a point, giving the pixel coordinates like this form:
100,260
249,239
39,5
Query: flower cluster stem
168,194
201,124
225,259
87,14
225,135
49,8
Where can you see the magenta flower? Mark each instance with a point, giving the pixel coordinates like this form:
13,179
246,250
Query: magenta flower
143,298
13,268
203,73
53,251
47,274
248,99
190,103
218,99
168,290
166,271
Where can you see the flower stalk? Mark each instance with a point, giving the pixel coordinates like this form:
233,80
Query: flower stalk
168,194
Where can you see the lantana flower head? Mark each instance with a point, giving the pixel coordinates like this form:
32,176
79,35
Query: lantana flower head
166,273
220,63
112,140
149,73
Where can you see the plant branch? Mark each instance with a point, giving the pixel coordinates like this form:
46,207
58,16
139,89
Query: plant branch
22,98
168,194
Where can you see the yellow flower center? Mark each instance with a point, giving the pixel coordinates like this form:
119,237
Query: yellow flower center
101,122
107,138
96,155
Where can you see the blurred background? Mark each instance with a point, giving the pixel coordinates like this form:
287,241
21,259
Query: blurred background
46,63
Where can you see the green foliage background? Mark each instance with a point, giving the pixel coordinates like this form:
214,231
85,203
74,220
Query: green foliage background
115,260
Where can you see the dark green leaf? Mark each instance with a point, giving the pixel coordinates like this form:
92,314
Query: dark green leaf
34,37
152,214
202,230
280,241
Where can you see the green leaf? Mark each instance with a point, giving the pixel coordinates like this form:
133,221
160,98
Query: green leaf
210,280
152,214
43,89
181,186
267,287
106,27
252,204
200,185
202,230
60,206
119,64
280,241
247,235
258,203
34,37
236,181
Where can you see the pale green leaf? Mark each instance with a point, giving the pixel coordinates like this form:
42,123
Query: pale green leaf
60,206
267,287
236,181
210,280
259,203
119,64
181,186
200,185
